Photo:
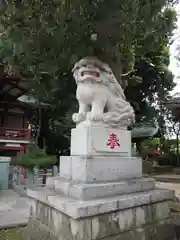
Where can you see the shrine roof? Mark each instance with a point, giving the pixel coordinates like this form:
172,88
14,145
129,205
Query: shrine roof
174,102
15,89
12,84
32,101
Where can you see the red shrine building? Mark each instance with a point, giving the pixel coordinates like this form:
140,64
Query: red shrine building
16,112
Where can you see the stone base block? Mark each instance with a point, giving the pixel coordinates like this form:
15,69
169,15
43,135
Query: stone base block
89,139
140,216
90,191
99,169
81,209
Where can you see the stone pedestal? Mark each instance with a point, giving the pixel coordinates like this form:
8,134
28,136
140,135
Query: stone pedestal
93,140
100,169
100,194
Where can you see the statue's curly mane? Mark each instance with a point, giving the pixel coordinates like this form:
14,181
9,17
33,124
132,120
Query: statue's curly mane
95,74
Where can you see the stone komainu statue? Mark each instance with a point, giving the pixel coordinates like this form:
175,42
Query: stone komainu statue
100,96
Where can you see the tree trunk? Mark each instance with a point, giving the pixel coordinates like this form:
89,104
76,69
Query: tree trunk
44,176
138,146
111,55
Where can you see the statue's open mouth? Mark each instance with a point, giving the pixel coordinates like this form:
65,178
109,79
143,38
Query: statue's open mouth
92,73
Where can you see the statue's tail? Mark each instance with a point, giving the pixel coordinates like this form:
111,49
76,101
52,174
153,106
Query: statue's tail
123,116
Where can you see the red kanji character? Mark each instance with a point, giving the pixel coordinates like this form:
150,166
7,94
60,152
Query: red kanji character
113,141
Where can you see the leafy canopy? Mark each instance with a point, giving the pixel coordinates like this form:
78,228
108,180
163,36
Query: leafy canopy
44,38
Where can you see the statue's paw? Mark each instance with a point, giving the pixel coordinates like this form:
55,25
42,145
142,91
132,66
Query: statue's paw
78,117
94,117
88,116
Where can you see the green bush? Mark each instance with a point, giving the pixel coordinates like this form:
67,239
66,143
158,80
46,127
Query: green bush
166,159
163,169
147,167
35,158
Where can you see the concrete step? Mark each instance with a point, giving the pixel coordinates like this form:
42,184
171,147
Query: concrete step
89,191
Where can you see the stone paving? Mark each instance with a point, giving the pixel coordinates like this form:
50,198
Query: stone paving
14,210
172,186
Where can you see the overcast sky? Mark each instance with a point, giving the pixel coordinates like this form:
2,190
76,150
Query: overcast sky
174,65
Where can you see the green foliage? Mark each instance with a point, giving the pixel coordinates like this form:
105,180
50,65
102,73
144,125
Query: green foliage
163,169
151,143
147,167
11,234
147,147
151,94
36,157
43,39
